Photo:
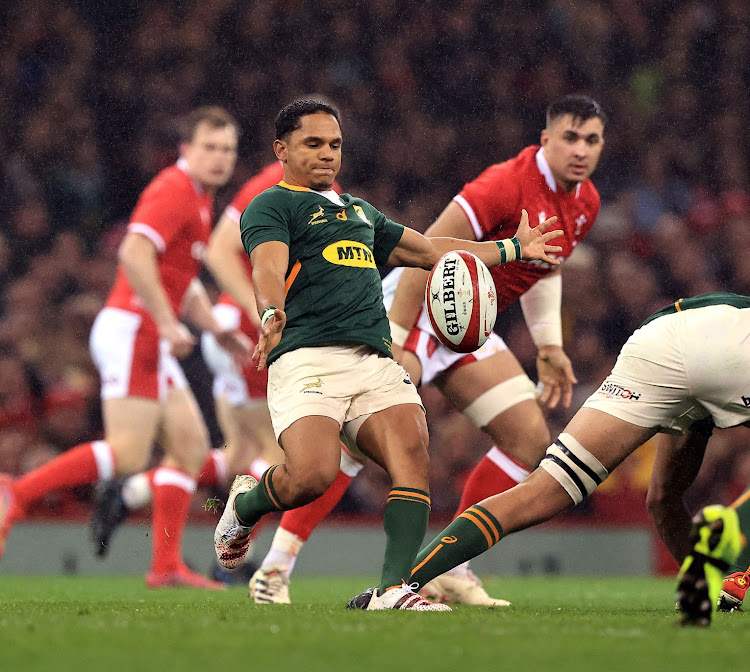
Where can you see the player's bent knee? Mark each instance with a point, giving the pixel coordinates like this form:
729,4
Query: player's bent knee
129,459
417,457
573,467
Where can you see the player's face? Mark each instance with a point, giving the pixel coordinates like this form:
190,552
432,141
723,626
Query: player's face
312,153
572,149
211,155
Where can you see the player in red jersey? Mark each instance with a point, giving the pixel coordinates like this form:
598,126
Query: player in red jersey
547,180
489,386
136,340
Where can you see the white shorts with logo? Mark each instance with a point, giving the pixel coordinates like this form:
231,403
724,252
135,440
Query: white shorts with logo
681,368
132,360
339,382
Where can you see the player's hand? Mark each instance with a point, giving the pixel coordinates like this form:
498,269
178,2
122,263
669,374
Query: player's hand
236,344
534,242
270,335
556,377
181,341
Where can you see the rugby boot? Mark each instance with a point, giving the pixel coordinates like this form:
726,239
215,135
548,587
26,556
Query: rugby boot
717,541
231,538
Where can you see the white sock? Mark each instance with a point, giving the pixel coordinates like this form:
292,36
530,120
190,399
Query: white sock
258,468
461,570
136,491
283,551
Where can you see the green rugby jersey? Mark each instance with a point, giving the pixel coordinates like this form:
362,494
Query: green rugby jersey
334,294
701,301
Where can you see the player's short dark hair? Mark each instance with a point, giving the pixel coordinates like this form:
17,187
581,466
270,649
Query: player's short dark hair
213,115
581,108
290,117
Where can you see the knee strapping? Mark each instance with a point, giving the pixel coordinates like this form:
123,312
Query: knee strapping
498,399
573,467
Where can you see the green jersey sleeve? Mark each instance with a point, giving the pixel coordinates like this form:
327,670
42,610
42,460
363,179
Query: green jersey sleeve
263,220
387,235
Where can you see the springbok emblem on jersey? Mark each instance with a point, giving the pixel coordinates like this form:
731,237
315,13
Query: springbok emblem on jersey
317,215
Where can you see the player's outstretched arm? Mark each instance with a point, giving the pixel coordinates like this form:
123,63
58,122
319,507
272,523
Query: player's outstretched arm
416,250
196,308
541,309
223,260
677,463
270,261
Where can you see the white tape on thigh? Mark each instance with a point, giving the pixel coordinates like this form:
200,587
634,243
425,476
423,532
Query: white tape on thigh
573,467
498,399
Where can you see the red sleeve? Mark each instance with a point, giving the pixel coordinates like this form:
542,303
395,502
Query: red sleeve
161,211
491,199
265,179
597,202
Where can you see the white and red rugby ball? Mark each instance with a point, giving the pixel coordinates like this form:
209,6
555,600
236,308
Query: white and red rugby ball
461,301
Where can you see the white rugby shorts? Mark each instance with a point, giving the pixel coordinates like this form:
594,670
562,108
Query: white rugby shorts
681,368
132,360
339,382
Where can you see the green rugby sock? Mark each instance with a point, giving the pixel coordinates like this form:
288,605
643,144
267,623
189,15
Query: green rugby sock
742,507
407,511
472,533
251,506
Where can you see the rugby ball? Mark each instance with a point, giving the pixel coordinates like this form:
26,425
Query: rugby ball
461,301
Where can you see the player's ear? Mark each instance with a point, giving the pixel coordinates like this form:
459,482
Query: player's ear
279,148
545,137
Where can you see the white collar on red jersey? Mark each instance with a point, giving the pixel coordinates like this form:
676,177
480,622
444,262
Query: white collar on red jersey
546,171
183,165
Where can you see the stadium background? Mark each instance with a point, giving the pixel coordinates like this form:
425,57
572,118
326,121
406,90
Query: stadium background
431,93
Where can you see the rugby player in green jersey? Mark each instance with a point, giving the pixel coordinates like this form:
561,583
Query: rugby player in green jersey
327,342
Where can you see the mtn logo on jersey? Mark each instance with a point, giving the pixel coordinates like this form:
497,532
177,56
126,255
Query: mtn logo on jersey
349,253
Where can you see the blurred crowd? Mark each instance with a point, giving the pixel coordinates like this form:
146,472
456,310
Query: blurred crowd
431,93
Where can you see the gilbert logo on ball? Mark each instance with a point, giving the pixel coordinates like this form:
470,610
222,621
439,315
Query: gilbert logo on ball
461,301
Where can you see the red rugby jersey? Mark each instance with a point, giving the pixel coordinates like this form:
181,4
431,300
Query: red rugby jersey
175,214
493,203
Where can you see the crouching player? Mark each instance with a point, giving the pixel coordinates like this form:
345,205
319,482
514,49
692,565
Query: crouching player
688,362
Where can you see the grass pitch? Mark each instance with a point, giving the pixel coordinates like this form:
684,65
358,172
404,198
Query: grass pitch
56,624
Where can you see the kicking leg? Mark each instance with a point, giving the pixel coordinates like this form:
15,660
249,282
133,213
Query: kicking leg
270,584
305,475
